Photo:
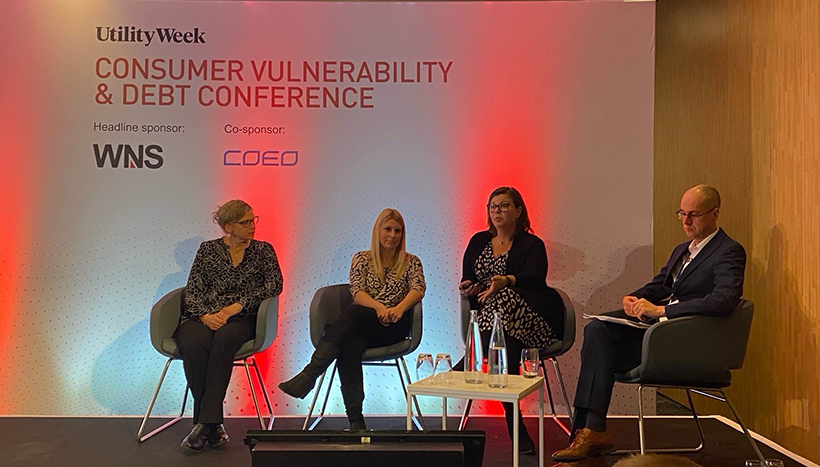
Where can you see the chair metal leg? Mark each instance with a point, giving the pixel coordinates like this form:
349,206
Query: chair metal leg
548,389
419,422
555,418
253,394
324,404
742,426
264,392
313,401
142,438
563,389
697,421
640,419
464,416
641,426
399,363
327,397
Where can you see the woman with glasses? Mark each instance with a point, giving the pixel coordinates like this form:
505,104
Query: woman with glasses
229,279
385,283
504,271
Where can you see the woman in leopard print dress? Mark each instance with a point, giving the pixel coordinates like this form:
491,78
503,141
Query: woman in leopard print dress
504,273
385,283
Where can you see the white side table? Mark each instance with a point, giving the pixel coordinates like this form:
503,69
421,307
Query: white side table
517,388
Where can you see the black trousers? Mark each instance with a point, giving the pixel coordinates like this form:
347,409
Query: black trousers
207,357
607,349
356,330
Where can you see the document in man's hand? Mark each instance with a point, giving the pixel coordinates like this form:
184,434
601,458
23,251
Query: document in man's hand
626,321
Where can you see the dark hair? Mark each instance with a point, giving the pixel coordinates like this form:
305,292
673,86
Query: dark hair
523,222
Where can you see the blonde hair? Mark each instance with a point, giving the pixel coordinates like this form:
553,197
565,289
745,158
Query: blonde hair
229,212
375,247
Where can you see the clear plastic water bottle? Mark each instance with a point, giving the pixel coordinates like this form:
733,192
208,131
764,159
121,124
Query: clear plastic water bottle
473,355
497,363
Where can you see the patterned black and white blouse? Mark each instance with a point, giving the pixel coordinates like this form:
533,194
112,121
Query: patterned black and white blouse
516,316
215,283
390,291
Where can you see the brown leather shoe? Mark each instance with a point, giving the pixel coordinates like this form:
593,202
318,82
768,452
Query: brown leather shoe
587,443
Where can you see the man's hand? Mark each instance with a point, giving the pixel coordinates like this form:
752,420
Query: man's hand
629,302
214,321
645,311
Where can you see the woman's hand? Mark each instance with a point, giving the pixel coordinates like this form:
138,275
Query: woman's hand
383,314
395,314
496,283
214,321
230,310
468,288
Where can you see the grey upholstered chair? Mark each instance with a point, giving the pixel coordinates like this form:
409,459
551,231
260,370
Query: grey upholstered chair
549,354
164,320
696,354
325,308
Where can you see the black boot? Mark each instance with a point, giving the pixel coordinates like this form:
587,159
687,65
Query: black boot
353,396
300,385
525,443
358,425
197,438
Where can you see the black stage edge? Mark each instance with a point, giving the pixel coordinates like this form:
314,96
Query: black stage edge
396,448
79,442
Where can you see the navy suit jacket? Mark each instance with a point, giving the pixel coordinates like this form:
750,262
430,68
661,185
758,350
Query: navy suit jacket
711,285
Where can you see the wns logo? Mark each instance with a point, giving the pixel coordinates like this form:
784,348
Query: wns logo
126,157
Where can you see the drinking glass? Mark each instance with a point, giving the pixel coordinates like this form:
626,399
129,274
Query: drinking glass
773,463
529,363
754,463
424,366
443,369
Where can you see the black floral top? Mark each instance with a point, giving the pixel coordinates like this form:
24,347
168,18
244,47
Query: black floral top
390,291
215,283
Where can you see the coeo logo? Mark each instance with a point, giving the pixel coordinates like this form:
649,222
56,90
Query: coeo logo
251,157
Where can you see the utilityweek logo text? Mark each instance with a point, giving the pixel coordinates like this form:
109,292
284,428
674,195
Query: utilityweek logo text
147,37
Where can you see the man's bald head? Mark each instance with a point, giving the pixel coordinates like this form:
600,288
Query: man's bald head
708,196
699,211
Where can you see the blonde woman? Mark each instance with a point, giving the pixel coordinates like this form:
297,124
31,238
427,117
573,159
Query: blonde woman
385,282
229,279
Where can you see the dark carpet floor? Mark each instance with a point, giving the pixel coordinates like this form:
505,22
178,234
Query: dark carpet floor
79,442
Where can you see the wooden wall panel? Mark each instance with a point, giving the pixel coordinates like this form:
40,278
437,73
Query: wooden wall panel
737,105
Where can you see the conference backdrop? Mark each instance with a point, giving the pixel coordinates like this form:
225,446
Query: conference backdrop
125,123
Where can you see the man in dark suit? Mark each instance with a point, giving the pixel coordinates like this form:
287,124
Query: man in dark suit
704,276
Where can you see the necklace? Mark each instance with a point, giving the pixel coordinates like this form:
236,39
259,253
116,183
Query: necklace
501,242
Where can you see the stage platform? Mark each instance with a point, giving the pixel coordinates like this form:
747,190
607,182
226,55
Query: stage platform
111,441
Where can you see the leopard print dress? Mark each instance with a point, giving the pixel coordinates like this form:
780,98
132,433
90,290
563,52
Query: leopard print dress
517,317
390,290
